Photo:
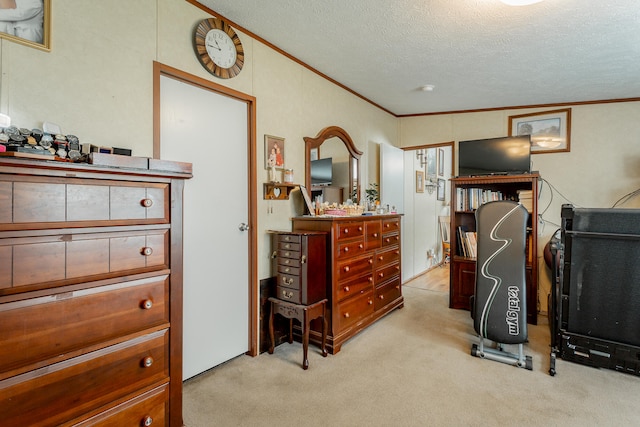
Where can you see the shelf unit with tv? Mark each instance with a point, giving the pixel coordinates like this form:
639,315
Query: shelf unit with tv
467,193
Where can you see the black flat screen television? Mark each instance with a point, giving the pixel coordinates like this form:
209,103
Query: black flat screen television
321,171
495,156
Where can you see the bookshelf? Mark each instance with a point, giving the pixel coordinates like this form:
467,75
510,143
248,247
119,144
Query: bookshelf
467,193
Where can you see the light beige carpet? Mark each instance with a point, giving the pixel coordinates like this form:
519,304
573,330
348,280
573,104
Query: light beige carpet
412,368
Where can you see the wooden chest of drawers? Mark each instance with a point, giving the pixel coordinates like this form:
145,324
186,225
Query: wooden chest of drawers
364,271
300,266
90,294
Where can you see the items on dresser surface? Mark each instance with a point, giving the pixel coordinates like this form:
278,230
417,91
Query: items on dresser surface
90,295
299,264
364,277
304,314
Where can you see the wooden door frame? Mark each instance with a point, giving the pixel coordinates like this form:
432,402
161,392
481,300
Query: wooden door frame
160,70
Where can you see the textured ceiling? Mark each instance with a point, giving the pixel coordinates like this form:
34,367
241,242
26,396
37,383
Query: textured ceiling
478,54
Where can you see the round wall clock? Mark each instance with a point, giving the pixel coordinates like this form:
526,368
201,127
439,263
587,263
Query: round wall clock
218,48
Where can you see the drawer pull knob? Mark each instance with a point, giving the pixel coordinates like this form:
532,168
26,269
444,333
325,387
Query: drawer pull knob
347,289
287,238
147,251
370,261
147,362
147,421
303,259
346,315
359,228
287,246
375,234
286,261
360,246
346,249
380,258
370,302
147,203
381,275
381,297
287,254
287,281
346,231
274,254
286,270
398,267
346,269
147,304
287,295
388,240
387,225
370,279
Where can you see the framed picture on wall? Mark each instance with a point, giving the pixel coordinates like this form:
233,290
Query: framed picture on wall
440,162
27,23
431,162
550,130
314,154
273,152
419,182
441,189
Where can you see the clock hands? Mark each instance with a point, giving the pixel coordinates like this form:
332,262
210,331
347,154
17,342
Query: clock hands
217,46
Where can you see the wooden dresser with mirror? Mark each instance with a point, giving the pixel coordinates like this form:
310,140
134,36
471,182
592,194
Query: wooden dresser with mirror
91,293
363,252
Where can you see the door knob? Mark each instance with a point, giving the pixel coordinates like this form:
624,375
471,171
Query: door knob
243,226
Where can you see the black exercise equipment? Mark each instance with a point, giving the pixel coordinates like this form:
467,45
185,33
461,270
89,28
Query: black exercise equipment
499,308
595,296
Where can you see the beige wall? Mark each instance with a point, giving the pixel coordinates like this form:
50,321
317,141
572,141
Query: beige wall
97,84
602,166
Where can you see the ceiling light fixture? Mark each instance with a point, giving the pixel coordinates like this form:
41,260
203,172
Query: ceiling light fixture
427,88
520,2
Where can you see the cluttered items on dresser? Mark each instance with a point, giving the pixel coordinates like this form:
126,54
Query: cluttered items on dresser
50,143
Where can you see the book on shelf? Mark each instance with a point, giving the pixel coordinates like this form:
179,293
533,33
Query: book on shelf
462,250
525,198
468,245
469,199
473,244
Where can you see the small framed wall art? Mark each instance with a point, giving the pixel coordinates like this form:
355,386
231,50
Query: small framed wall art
419,181
27,23
440,162
431,163
441,189
273,152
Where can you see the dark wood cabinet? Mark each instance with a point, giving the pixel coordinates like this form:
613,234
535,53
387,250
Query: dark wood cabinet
467,193
299,263
364,275
90,294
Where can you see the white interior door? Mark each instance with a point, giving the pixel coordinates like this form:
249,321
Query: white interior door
208,129
392,176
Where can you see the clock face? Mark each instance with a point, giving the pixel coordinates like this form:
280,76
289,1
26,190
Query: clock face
218,48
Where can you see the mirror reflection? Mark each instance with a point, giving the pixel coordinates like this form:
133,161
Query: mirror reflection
332,166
